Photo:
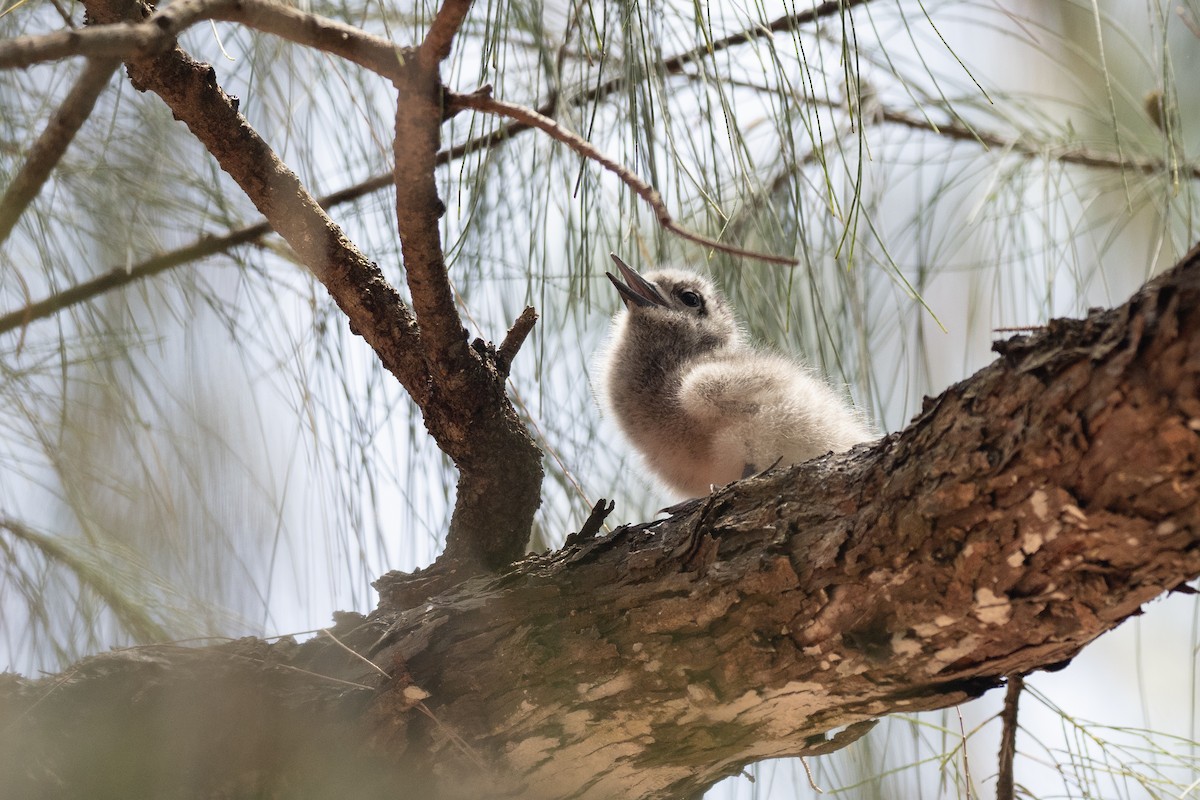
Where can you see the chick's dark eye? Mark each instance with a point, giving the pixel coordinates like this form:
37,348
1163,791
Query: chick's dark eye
690,299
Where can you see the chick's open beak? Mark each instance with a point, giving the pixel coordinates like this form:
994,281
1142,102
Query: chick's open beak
636,291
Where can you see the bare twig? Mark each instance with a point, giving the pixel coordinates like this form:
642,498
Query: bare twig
50,146
591,526
787,22
808,773
62,12
515,338
956,131
966,762
1008,738
355,653
675,64
483,101
1063,154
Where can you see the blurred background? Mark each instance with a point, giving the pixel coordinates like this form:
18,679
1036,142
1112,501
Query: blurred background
208,452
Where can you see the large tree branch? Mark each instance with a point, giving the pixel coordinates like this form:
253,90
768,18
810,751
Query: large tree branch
1028,510
1025,512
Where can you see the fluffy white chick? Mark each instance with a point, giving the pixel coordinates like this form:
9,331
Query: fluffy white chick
701,405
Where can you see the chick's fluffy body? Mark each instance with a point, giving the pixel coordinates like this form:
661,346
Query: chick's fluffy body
701,405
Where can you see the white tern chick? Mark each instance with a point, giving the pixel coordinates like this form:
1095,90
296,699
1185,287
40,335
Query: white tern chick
701,405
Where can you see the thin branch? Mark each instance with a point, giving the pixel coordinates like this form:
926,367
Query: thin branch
157,34
955,131
418,214
62,12
675,64
120,276
788,22
50,146
118,41
483,101
207,246
1008,738
445,27
1062,154
515,338
966,762
471,418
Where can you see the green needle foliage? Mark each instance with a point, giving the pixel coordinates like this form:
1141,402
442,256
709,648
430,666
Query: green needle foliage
210,452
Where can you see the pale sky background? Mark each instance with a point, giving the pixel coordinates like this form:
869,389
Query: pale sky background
307,516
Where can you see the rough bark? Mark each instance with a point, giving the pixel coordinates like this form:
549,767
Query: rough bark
1026,511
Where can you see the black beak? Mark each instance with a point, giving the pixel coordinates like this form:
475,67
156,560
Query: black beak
636,291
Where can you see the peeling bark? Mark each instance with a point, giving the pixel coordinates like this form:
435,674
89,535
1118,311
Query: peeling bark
1026,511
